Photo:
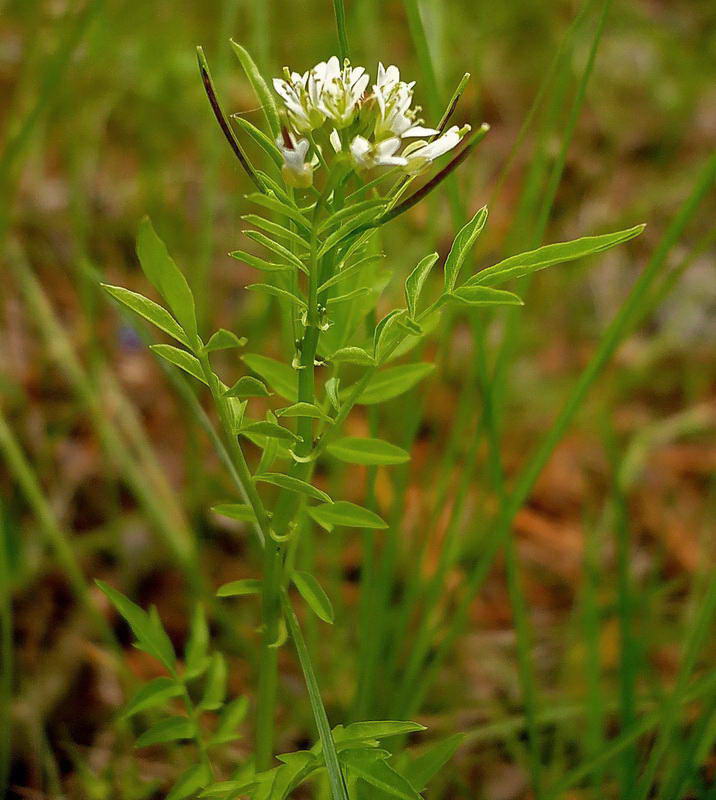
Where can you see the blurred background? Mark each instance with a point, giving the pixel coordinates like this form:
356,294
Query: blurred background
105,471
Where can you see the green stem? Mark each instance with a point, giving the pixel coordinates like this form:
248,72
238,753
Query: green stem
335,775
340,12
270,611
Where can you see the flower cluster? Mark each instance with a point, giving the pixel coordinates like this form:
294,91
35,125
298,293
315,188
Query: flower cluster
370,126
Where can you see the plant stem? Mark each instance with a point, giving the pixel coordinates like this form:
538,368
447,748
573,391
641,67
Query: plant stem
335,775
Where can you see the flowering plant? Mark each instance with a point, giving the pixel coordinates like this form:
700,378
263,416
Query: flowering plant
331,144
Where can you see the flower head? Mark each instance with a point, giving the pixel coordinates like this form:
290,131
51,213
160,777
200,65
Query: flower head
301,95
366,154
370,128
421,154
341,92
296,171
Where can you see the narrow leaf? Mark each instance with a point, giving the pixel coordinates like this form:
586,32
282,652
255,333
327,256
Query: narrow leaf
377,772
276,229
215,687
379,729
276,291
190,782
149,310
180,358
260,139
295,485
461,246
347,514
534,260
424,767
415,281
239,588
263,93
278,375
270,429
278,249
260,263
167,730
247,386
223,340
355,450
394,381
152,694
313,593
353,355
302,410
279,207
166,277
239,511
232,715
486,296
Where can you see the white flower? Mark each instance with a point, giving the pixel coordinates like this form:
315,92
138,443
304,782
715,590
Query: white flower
366,154
420,155
341,92
296,171
301,96
396,116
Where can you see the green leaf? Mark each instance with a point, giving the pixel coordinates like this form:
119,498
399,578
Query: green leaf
387,335
260,263
461,247
312,592
278,249
353,355
277,291
167,730
190,782
152,694
152,638
372,768
232,715
349,271
278,375
166,277
534,260
276,229
301,409
149,310
215,687
223,340
292,484
415,281
486,296
197,647
270,429
361,291
180,358
263,93
379,729
353,225
425,766
345,513
240,588
269,453
260,138
279,207
247,387
229,789
392,382
357,450
237,409
331,387
239,511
